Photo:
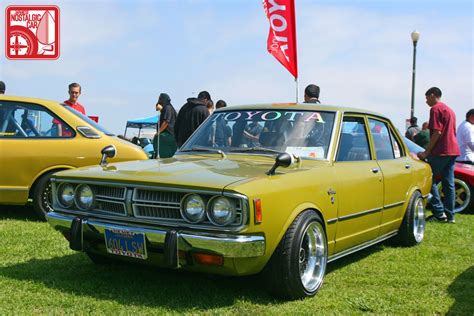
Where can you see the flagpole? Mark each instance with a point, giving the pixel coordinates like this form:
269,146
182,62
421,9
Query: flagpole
296,82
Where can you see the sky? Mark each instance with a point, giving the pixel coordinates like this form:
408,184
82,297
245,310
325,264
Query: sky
125,53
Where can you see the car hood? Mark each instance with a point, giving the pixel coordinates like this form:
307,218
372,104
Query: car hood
203,171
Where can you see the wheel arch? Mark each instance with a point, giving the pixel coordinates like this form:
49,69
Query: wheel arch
297,211
42,173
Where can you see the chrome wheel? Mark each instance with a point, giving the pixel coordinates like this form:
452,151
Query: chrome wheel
419,220
312,257
462,195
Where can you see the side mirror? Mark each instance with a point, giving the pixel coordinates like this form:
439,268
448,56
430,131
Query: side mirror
282,160
107,152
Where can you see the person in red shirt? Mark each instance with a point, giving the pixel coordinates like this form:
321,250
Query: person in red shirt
74,93
441,153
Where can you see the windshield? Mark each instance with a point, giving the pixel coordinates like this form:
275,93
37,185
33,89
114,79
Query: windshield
300,132
89,121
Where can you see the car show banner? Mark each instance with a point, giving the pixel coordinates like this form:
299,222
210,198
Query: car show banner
281,41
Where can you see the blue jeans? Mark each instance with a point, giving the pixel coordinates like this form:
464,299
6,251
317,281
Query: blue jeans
443,166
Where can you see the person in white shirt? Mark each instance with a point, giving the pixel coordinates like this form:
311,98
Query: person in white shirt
465,136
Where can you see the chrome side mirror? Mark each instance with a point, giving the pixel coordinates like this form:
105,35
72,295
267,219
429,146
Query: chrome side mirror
107,152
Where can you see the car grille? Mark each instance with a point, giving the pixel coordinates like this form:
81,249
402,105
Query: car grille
151,203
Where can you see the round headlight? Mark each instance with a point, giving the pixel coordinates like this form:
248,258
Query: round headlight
193,208
84,197
66,194
221,211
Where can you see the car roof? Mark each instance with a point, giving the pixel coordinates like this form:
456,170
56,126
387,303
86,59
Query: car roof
299,106
5,97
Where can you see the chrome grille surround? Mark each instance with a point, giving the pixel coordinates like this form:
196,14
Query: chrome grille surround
149,204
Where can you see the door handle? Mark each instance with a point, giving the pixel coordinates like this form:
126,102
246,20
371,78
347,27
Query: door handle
407,166
375,170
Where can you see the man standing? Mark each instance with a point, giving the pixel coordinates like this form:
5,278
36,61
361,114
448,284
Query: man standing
465,139
441,153
74,93
191,115
167,143
311,94
413,129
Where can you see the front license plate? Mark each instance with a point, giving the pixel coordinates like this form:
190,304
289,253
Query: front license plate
125,243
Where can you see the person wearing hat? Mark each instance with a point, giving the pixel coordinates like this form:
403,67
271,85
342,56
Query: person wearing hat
465,137
164,141
2,87
191,115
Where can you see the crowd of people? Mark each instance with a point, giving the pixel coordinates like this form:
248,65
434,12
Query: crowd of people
174,128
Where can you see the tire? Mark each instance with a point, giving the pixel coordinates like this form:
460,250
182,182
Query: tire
297,267
463,199
412,230
42,196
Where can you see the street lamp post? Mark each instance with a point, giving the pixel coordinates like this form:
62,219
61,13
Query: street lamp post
415,35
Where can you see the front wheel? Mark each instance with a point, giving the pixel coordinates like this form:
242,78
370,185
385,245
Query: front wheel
297,267
42,196
412,230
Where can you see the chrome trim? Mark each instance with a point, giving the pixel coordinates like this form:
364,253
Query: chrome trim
362,246
230,246
426,196
244,205
332,220
394,204
14,189
360,213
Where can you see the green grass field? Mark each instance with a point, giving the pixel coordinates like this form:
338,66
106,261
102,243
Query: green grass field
39,274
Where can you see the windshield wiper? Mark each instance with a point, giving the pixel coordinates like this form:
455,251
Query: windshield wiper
206,149
256,149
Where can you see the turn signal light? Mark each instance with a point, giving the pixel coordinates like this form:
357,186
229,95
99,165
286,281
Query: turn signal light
257,205
207,259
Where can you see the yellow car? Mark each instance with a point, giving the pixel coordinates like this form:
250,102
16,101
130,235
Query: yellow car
39,137
281,189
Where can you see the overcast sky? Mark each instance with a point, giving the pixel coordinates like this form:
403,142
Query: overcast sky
124,53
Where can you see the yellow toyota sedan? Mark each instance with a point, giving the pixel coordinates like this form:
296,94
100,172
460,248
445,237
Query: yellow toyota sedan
39,137
281,189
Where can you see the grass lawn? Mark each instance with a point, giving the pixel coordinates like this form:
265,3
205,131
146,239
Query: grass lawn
39,274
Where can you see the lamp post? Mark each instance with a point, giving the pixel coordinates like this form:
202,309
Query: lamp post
415,35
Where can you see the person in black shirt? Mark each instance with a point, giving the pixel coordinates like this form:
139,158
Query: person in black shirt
223,132
311,94
191,115
166,142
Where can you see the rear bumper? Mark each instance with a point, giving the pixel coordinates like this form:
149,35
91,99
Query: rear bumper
170,242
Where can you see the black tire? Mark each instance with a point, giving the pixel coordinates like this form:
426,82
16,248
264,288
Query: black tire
463,199
289,274
42,196
412,230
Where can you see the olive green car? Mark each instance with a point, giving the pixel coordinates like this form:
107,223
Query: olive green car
281,189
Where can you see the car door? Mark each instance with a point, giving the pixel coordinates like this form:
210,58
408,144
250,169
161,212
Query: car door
33,140
396,169
360,186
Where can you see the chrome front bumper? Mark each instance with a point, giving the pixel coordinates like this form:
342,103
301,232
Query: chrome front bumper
225,245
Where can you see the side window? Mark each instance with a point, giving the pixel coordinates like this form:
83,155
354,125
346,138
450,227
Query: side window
353,143
25,120
386,145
